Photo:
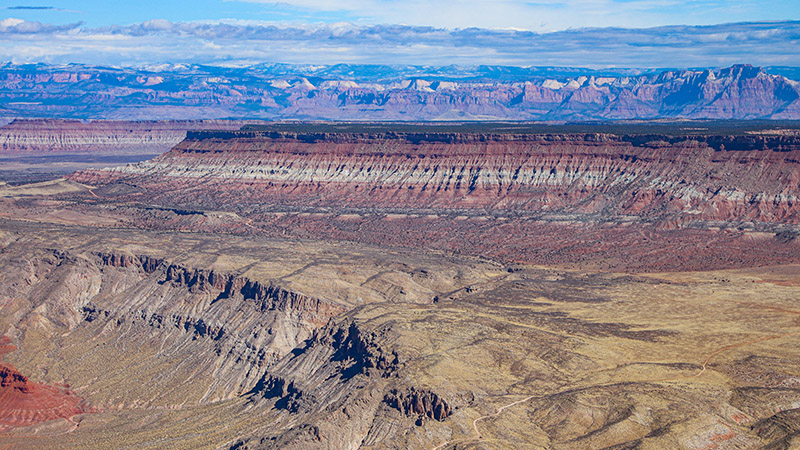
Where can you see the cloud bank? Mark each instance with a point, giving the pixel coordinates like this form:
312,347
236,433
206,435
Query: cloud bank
543,15
238,42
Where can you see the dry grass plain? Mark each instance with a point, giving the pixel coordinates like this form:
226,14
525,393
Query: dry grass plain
526,356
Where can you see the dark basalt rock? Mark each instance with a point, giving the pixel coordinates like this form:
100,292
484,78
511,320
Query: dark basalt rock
415,402
287,396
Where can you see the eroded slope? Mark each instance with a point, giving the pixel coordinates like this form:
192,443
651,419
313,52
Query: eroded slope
543,198
155,334
166,321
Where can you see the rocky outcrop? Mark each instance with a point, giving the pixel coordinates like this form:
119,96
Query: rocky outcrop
235,327
341,384
286,395
147,263
226,327
266,297
10,378
780,430
24,402
100,137
362,350
341,351
418,403
169,361
675,179
738,92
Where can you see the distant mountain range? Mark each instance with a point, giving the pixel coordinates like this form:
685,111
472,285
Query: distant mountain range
370,92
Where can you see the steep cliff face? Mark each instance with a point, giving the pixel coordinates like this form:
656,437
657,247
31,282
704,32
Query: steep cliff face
195,340
343,389
738,92
420,403
120,323
669,179
42,136
227,329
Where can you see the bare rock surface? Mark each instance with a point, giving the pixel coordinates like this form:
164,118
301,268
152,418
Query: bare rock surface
352,93
539,198
38,136
263,289
24,403
207,341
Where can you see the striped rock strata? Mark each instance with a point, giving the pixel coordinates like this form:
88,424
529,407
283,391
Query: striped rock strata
679,180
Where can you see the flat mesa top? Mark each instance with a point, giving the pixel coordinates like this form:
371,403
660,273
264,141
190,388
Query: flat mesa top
669,128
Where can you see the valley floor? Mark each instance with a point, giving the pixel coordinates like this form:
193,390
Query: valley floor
399,349
248,290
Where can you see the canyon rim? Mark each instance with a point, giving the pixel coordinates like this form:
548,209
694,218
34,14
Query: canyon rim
463,225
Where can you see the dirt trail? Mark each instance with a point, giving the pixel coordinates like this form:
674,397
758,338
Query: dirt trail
497,413
740,344
478,437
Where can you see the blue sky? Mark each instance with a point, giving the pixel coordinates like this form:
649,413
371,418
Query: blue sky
585,33
95,13
535,15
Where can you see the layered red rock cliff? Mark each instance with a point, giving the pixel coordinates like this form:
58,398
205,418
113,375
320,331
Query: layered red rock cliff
45,136
737,92
681,180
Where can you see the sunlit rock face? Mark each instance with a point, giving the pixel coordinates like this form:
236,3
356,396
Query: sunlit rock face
675,179
633,201
393,93
387,288
56,136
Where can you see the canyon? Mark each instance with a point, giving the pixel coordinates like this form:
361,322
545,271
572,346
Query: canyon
45,149
532,198
396,93
427,286
43,136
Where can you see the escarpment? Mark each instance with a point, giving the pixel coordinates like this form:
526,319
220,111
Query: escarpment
265,296
254,289
54,136
225,286
632,201
142,338
667,179
227,328
200,325
347,384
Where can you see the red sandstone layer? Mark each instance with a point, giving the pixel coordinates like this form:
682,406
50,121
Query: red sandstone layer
24,403
672,180
38,136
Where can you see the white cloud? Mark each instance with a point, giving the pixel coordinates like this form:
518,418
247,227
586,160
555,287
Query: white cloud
540,15
249,42
13,25
10,23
